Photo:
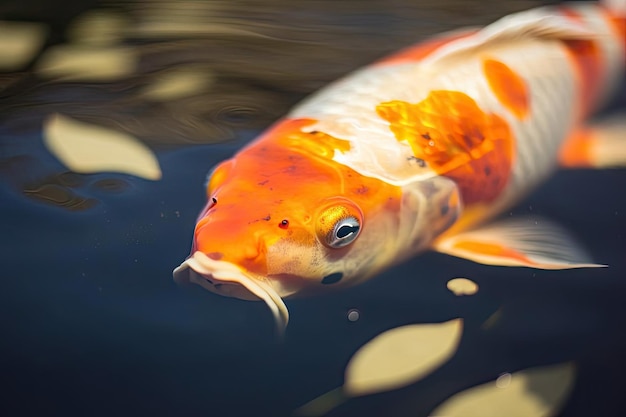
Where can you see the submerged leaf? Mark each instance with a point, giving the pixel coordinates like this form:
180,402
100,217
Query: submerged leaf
322,404
534,392
401,356
87,148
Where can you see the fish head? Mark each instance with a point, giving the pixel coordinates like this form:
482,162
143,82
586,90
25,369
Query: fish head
284,219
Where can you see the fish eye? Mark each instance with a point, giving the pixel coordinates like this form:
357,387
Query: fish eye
338,225
344,232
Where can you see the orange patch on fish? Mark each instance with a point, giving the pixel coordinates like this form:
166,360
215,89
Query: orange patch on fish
617,23
417,52
316,142
576,152
508,86
449,132
586,57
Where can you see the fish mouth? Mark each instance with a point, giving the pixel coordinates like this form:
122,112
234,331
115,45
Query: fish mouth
229,280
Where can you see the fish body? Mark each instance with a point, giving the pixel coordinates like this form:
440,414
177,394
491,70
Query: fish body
417,151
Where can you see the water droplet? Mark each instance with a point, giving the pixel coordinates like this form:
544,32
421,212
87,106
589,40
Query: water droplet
503,380
354,315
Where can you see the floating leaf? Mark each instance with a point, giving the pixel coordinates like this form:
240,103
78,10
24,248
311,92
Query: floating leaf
98,28
462,286
19,42
178,83
534,392
401,356
87,148
86,63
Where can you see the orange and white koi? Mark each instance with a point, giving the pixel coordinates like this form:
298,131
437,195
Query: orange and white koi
416,152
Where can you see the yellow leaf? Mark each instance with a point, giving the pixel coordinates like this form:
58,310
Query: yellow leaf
462,286
87,63
401,356
534,392
178,83
87,148
98,28
19,42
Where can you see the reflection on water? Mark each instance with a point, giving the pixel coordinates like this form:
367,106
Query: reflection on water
94,324
55,192
260,58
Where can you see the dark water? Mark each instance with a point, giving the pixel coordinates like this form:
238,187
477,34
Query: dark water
92,323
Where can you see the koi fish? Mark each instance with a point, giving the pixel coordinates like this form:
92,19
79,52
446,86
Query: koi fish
417,151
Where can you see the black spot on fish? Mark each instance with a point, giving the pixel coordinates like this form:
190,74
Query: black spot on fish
487,170
425,136
332,278
267,218
214,200
418,161
263,182
445,209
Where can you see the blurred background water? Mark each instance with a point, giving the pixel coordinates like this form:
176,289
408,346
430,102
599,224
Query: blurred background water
92,323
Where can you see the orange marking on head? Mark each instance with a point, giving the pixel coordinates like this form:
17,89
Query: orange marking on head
586,57
287,174
457,139
509,87
423,49
492,249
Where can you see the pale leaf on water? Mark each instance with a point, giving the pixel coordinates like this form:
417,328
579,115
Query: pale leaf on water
87,63
179,83
19,43
87,148
401,356
462,286
98,28
534,392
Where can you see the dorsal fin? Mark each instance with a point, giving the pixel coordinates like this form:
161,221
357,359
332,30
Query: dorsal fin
542,22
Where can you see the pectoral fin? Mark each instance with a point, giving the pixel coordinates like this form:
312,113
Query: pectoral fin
533,243
600,145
